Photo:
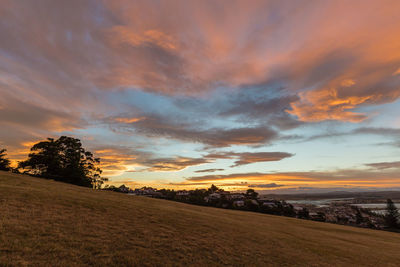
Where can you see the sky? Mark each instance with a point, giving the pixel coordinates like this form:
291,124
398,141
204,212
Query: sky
277,96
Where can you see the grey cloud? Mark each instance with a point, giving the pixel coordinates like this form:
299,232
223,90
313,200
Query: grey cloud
271,185
388,132
159,126
378,131
172,164
245,158
384,165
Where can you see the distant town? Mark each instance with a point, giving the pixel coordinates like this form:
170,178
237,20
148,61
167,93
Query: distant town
368,210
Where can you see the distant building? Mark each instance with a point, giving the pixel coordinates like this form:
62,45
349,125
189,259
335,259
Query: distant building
146,191
124,189
214,196
182,193
254,202
298,208
268,204
238,203
235,196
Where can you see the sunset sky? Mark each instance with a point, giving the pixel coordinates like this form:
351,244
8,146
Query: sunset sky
278,96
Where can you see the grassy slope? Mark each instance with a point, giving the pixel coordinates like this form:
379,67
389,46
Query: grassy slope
49,223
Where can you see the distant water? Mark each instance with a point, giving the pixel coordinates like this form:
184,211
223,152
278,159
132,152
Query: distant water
318,202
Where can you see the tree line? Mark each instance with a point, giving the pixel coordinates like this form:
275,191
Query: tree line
204,197
63,159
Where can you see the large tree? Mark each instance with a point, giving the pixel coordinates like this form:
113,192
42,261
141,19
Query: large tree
4,162
65,160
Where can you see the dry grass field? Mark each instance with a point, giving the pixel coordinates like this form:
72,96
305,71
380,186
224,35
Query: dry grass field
47,223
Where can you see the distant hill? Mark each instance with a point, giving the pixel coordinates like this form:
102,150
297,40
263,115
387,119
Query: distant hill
47,223
338,194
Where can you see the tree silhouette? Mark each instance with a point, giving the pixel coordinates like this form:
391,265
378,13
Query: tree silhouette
304,213
213,188
250,193
392,215
4,162
359,218
65,160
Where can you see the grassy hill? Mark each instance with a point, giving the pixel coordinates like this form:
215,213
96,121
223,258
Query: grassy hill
50,223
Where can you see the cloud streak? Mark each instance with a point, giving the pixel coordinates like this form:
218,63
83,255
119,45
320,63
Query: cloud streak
323,105
271,185
385,165
174,164
250,157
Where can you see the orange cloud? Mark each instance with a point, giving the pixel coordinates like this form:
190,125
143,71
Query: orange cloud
28,144
123,34
347,83
174,164
115,162
129,120
327,105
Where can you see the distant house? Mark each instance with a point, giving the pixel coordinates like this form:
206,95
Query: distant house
124,189
238,203
225,193
146,191
182,193
137,192
235,196
268,204
254,202
214,196
298,208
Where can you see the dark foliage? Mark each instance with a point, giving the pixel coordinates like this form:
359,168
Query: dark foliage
64,160
197,197
214,189
304,213
359,218
168,193
392,215
4,162
251,194
321,217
